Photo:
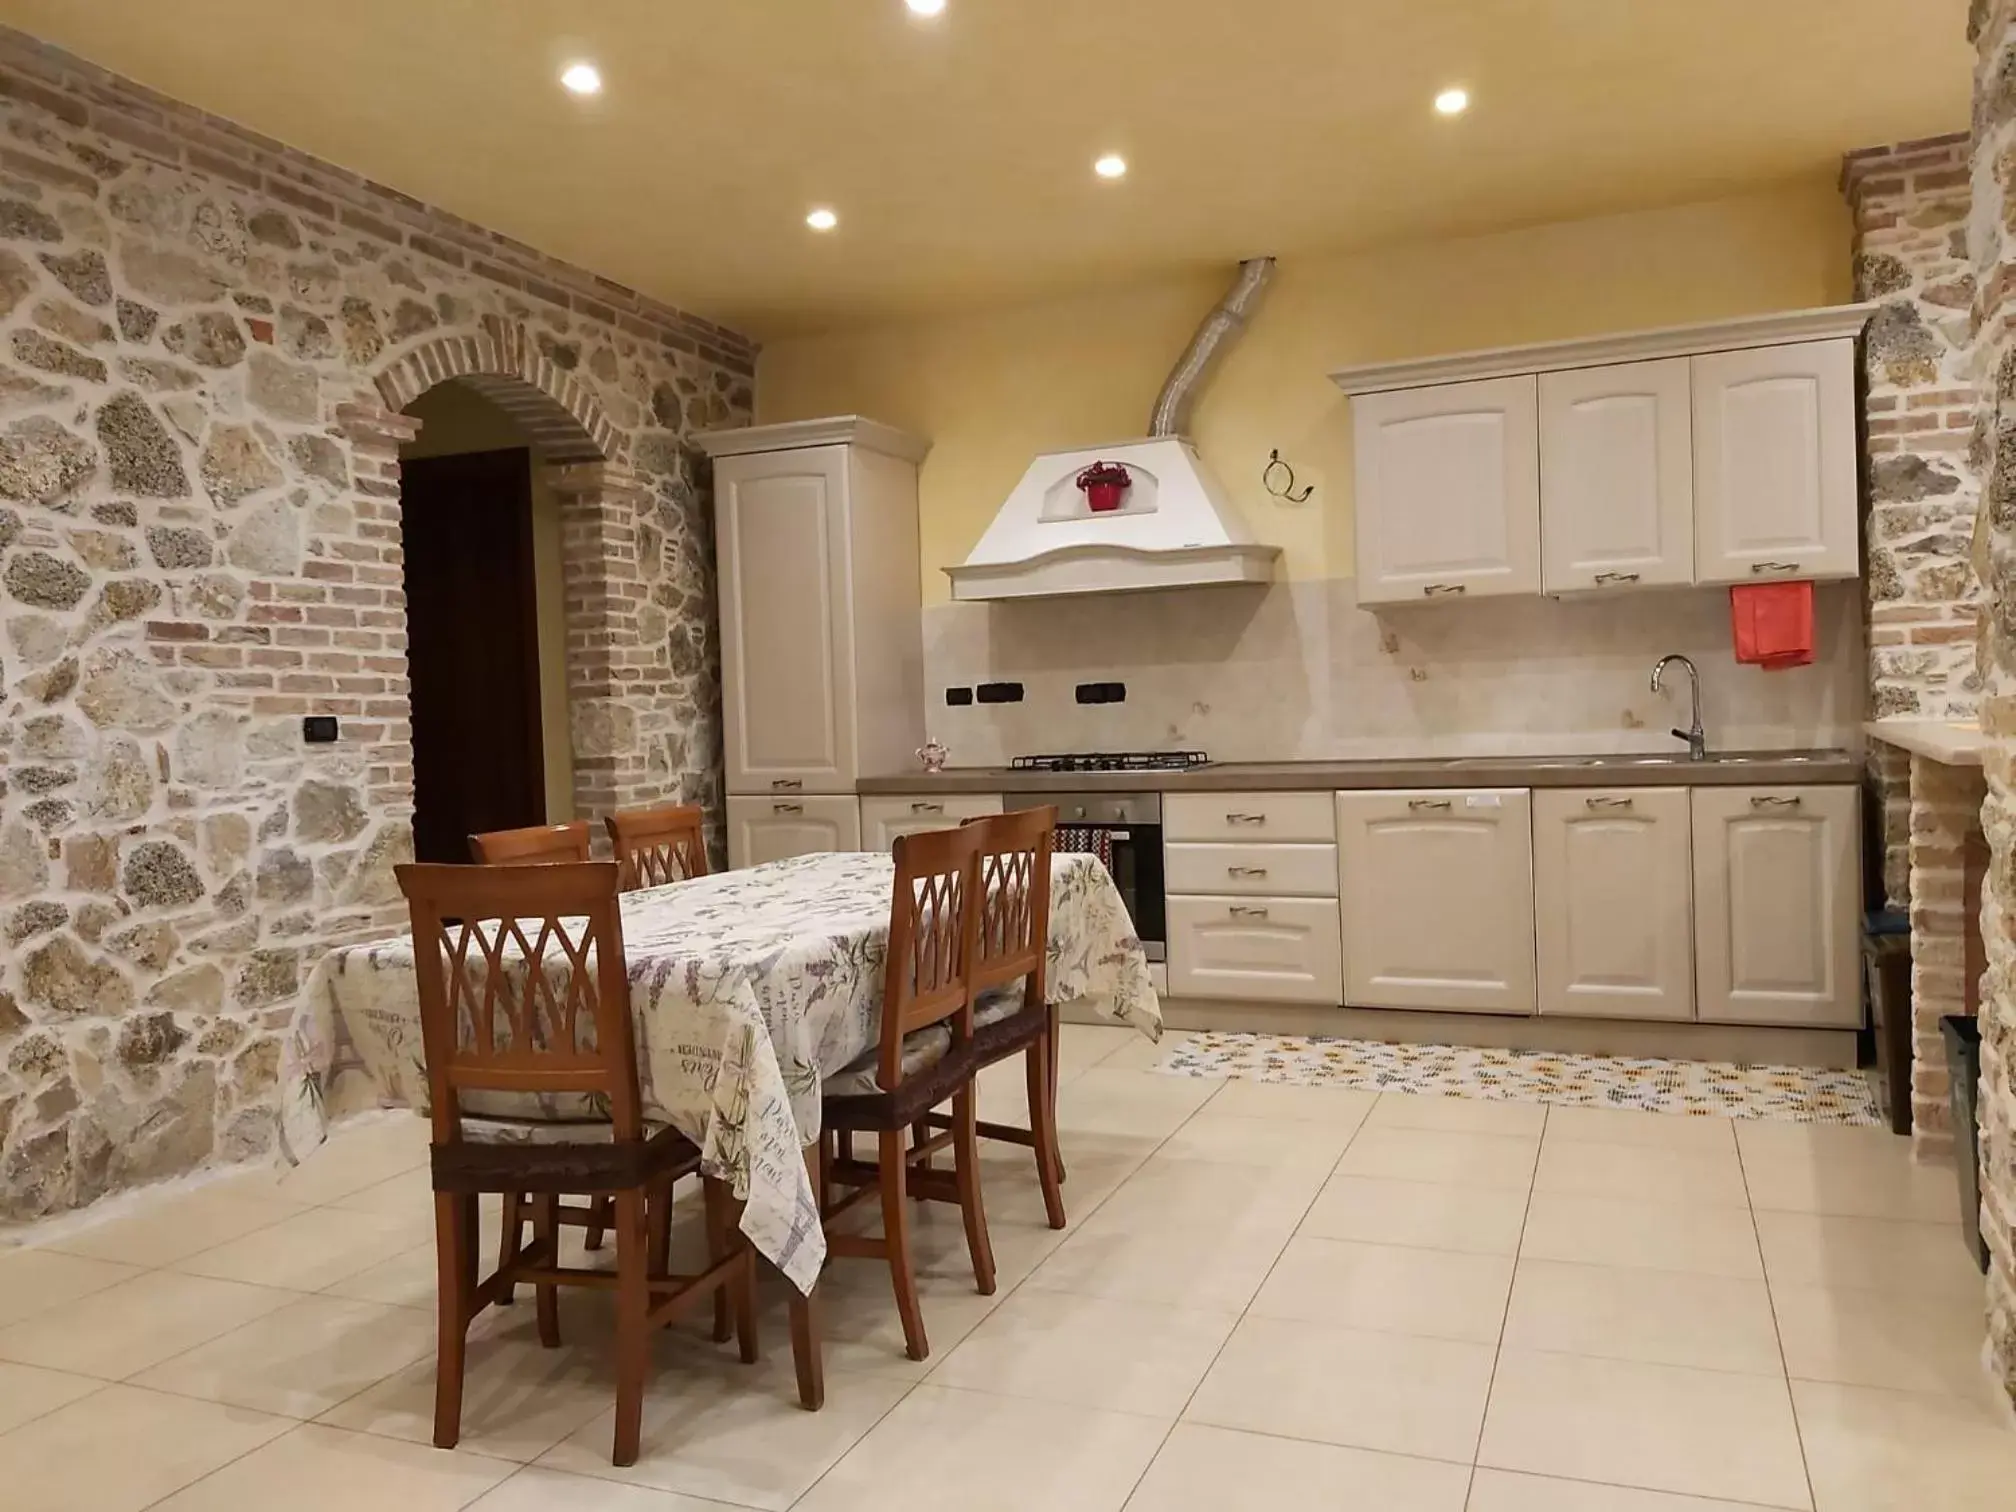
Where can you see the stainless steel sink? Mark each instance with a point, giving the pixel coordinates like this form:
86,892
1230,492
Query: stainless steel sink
1648,759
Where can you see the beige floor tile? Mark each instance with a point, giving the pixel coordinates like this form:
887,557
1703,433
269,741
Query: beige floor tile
114,1333
1061,1347
1194,1264
1105,1101
1886,1451
1139,1053
862,1331
300,1360
1814,1250
1243,1098
986,1453
1349,1386
311,1250
1204,1469
1628,1126
1438,1294
408,1194
170,1229
1647,1234
1449,1156
1772,1139
1505,1491
1460,1115
316,1469
733,1433
1166,1192
408,1279
122,1449
1660,1427
33,1281
1905,1340
1637,1172
1663,1317
27,1392
1882,1185
1084,1046
536,1490
1420,1214
357,1155
1230,1139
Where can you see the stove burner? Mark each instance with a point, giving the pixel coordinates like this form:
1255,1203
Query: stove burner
1112,761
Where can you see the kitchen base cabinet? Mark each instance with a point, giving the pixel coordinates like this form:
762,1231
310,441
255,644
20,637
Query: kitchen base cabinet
1277,950
1613,894
1437,897
774,829
1777,896
883,820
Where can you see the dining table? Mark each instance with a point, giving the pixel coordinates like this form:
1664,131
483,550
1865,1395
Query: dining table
748,989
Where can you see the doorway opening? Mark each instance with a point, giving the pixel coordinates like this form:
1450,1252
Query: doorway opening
486,635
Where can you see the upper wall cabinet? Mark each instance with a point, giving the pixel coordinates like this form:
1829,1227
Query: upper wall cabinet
1448,491
1706,454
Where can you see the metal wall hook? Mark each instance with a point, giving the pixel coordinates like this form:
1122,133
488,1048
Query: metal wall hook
1287,488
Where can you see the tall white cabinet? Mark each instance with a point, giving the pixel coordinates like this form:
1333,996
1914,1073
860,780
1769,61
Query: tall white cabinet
1616,471
822,658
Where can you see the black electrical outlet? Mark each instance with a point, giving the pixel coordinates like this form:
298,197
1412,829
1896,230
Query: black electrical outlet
1102,693
958,698
1002,692
319,729
1115,692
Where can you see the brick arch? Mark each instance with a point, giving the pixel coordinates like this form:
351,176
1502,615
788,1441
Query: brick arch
552,407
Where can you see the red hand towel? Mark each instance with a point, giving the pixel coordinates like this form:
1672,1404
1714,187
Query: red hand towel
1772,623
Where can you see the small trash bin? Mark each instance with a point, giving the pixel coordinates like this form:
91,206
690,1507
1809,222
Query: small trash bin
1963,1067
1886,975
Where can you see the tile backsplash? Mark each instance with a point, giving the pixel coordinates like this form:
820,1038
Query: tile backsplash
1298,671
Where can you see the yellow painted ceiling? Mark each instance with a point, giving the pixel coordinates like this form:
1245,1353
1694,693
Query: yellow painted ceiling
958,151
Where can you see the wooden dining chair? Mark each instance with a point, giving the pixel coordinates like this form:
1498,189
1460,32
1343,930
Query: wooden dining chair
541,844
655,846
922,1059
524,992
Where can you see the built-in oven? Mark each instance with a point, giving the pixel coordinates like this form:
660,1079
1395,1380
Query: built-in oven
1125,831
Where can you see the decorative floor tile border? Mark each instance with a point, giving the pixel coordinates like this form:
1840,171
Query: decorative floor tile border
1706,1089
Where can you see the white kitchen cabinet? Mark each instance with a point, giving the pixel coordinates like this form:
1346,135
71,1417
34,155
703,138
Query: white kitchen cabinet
884,819
1448,491
1280,950
1775,493
1437,900
1776,900
1613,895
774,829
1616,476
1287,871
822,661
1248,818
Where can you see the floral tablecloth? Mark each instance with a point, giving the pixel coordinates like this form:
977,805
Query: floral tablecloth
748,988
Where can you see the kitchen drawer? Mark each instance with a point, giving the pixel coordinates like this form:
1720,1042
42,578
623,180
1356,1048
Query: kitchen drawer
1289,871
1249,816
775,829
884,819
1278,950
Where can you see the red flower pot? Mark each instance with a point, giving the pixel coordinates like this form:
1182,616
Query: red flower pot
1104,497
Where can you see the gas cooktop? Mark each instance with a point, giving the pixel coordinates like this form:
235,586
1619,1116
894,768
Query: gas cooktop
1112,761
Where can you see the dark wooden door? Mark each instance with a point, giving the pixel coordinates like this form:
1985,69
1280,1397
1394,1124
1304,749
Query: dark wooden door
472,648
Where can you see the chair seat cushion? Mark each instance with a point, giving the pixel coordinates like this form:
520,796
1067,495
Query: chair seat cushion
998,1003
544,1131
860,1077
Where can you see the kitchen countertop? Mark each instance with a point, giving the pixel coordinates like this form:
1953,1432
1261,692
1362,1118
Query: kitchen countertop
1953,742
1635,769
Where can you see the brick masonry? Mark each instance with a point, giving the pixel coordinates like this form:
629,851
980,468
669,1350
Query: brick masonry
205,343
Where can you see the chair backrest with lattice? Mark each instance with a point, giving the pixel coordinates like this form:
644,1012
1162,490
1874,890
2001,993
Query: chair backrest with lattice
537,845
523,986
655,846
1013,937
931,924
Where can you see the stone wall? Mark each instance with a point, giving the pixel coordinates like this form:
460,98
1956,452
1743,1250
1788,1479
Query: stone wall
204,342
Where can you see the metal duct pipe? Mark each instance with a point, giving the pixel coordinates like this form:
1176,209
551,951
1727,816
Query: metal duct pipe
1171,416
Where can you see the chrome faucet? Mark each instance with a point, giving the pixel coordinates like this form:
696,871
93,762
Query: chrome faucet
1697,742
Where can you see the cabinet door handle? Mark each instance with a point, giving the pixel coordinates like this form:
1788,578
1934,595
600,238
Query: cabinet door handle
1245,818
1245,871
1616,577
787,785
1429,805
927,808
1445,590
1774,801
1607,803
787,808
1240,911
1767,569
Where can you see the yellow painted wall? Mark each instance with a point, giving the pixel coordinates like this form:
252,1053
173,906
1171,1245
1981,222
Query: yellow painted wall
992,388
454,419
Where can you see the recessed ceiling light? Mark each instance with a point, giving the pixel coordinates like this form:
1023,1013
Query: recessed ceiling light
1111,166
1452,102
822,219
582,78
925,7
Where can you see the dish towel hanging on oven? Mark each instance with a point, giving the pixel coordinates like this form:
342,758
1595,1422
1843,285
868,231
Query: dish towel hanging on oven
1087,840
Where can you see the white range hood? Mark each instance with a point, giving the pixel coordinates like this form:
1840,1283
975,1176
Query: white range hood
1173,527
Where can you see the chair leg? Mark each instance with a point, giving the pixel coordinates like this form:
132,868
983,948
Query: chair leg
508,1242
600,1213
920,1135
658,1223
1043,1130
896,1239
454,1250
966,1177
1054,1055
720,1235
633,1309
546,1230
805,1350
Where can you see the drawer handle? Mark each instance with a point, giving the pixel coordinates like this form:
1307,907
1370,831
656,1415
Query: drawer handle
927,808
1245,871
1616,577
1245,818
1772,801
1429,805
787,808
1761,569
1607,803
787,785
1445,590
1241,911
